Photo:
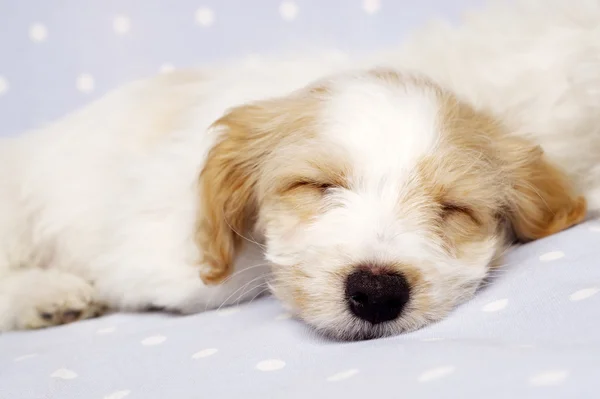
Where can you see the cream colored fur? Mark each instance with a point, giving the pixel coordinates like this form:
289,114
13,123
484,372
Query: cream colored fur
99,208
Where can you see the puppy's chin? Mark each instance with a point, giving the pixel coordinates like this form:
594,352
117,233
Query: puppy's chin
354,329
361,331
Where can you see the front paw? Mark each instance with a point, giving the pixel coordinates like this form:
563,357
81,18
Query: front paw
58,302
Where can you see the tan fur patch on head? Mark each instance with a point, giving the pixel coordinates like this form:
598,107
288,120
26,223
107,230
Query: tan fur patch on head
457,188
505,172
295,195
470,193
480,175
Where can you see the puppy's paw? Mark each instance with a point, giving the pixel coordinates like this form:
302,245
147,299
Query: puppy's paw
60,299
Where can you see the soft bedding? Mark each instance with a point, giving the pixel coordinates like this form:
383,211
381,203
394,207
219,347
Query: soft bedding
531,333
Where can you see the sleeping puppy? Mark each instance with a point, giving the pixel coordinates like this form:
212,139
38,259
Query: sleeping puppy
370,201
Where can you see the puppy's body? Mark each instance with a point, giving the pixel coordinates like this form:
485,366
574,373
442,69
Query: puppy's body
101,208
107,196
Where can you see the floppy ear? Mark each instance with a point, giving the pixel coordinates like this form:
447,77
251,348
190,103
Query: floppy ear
227,186
541,199
229,189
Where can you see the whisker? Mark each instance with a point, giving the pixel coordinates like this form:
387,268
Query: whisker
233,275
259,293
264,284
243,270
237,290
242,236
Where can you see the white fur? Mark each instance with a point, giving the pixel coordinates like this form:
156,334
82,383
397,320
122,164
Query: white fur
391,111
106,195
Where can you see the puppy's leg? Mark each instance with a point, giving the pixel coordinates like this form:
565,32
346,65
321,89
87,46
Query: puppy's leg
38,298
138,278
150,259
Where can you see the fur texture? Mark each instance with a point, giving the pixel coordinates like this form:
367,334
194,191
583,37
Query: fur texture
182,191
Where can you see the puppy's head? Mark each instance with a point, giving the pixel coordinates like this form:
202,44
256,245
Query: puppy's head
382,199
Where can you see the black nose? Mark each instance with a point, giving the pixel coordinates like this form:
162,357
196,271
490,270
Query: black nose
376,297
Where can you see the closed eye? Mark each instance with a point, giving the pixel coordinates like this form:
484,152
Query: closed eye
450,209
310,184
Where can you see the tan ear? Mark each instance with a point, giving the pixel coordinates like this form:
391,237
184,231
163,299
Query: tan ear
229,182
227,190
541,198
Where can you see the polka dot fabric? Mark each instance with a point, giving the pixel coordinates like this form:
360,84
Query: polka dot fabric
57,56
532,331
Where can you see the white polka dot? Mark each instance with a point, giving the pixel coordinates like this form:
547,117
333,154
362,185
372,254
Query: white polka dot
64,374
584,293
495,306
121,24
106,330
118,395
38,32
270,365
204,353
85,83
288,10
549,256
205,16
25,357
283,316
3,85
436,373
371,6
154,340
228,311
342,375
166,68
553,377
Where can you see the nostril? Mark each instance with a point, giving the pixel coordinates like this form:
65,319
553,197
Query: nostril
359,299
376,298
